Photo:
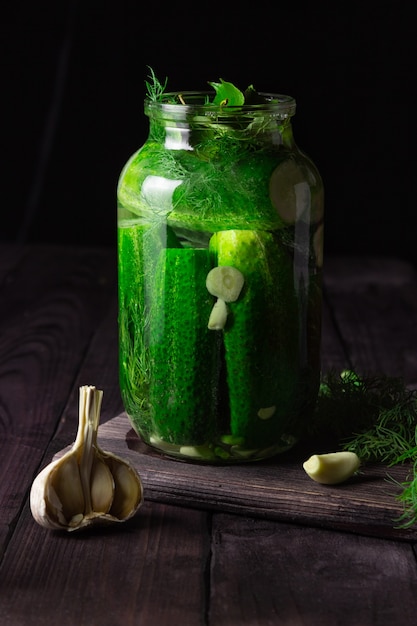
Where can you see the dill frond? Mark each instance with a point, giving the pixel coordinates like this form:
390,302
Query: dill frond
375,417
408,498
364,412
154,88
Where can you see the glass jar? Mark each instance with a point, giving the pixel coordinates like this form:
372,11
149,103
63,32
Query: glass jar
220,251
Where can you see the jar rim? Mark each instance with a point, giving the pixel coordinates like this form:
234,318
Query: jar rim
189,102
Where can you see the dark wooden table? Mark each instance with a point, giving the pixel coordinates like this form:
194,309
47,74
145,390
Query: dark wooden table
258,544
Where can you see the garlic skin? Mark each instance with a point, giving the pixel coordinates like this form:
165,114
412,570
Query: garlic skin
332,468
86,486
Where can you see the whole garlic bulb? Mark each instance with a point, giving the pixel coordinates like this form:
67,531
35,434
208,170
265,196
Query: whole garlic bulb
86,485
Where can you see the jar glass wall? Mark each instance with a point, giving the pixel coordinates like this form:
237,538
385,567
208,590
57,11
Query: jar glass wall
220,252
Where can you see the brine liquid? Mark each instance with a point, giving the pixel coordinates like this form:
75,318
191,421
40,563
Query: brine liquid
243,392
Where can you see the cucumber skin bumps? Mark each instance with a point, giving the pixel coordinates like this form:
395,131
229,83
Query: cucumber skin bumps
206,376
261,337
215,395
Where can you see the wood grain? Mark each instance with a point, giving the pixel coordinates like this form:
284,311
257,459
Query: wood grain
278,489
149,571
254,544
281,575
52,302
374,308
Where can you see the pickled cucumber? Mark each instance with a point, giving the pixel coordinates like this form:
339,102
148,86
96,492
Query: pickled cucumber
139,245
183,351
261,336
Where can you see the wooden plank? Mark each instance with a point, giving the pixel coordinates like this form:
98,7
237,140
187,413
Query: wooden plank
279,575
277,489
9,257
64,578
33,276
51,308
53,300
17,468
333,352
374,306
149,570
100,368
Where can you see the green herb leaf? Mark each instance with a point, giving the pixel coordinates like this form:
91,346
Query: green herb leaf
227,94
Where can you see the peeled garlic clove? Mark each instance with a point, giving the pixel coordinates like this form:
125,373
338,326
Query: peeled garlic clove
332,468
267,412
86,485
218,315
225,282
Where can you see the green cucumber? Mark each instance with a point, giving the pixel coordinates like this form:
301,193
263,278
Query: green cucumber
183,350
139,246
261,336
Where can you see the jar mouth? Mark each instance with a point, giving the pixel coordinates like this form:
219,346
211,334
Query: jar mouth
200,103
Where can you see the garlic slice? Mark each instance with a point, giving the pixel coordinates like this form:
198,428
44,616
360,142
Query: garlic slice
225,282
87,485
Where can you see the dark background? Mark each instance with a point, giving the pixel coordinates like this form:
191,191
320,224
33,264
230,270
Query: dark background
73,86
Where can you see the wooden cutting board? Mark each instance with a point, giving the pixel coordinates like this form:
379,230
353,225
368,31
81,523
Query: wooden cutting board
277,489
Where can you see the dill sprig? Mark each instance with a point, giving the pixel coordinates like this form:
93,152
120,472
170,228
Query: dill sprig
408,498
375,417
408,494
349,403
154,88
389,439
